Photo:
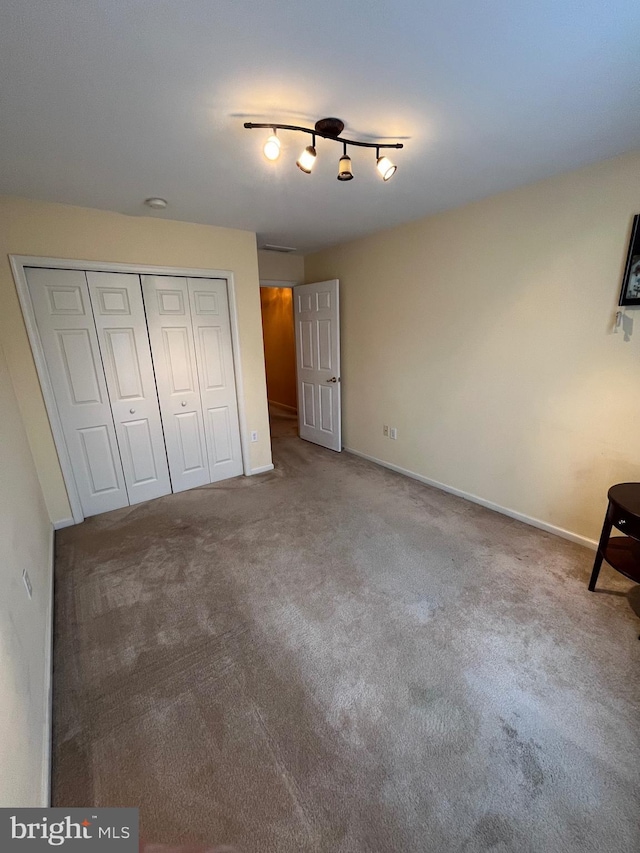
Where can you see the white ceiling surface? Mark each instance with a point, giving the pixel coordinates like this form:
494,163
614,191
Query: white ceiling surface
107,102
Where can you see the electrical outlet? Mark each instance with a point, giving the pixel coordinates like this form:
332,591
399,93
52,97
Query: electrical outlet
27,582
385,430
254,435
393,433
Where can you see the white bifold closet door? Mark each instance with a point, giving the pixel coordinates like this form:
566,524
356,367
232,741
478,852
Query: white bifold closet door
65,323
124,345
190,334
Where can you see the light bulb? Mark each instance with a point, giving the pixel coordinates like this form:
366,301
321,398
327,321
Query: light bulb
386,168
344,169
307,159
272,147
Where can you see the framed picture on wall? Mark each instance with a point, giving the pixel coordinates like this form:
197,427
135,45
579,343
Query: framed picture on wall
630,293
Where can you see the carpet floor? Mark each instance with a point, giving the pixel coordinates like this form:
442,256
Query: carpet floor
334,658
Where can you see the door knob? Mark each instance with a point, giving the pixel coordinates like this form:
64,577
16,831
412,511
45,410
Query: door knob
333,379
133,411
183,403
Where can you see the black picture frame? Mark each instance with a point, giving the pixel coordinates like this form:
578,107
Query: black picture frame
630,291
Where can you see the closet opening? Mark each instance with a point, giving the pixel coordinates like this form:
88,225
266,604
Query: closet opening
140,372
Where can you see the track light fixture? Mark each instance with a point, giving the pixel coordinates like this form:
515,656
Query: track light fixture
344,167
308,157
272,146
385,166
327,128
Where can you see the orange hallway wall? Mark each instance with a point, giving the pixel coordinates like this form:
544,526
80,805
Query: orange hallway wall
279,344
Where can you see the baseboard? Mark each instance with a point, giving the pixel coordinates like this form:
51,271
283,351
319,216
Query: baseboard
512,513
64,522
48,693
262,470
283,406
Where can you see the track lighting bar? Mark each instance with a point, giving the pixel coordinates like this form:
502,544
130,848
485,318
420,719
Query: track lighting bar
253,126
326,128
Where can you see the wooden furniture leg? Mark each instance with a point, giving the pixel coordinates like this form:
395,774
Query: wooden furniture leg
602,544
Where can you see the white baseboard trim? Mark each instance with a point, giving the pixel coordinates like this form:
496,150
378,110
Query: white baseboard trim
283,406
262,470
64,522
48,692
512,513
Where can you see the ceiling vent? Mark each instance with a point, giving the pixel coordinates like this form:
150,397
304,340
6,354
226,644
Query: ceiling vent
269,247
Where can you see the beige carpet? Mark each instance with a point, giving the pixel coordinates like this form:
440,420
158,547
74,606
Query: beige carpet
332,657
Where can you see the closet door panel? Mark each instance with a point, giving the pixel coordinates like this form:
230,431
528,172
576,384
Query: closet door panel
100,459
192,456
65,323
177,351
214,353
124,344
139,449
166,300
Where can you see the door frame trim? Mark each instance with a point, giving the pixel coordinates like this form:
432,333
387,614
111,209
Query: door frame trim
267,282
18,265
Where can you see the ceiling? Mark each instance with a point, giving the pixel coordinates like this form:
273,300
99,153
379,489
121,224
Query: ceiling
106,102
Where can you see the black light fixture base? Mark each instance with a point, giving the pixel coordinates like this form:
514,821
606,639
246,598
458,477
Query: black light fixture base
330,126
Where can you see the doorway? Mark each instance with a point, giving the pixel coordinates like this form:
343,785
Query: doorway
276,304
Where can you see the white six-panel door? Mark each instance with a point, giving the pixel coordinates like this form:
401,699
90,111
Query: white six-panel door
214,357
143,377
166,300
65,323
124,344
317,325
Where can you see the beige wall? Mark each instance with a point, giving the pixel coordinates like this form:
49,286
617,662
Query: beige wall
25,543
484,335
276,266
60,231
279,344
